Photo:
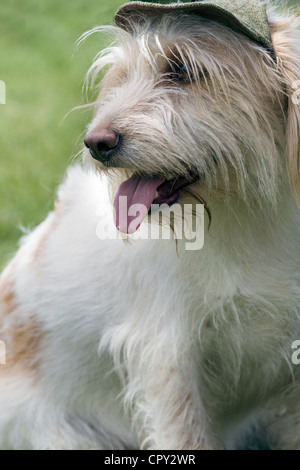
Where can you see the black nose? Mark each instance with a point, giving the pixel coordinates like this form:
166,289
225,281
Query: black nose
102,143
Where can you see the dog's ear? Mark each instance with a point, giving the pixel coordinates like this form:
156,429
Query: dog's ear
286,42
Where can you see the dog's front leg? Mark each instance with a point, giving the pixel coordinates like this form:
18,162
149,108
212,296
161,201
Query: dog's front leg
169,411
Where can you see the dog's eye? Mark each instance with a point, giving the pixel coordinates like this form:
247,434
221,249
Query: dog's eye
181,74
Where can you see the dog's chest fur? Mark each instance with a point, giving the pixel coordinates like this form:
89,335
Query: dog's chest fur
234,306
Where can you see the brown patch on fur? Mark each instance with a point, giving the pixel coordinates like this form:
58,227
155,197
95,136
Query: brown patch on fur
21,340
22,345
8,301
7,298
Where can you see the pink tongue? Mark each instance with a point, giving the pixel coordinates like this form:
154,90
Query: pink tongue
133,201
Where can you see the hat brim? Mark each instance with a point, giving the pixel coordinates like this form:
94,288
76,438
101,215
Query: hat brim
132,12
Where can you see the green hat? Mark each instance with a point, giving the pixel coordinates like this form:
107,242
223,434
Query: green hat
248,17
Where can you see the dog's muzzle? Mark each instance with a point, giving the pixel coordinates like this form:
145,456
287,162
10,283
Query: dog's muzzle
102,143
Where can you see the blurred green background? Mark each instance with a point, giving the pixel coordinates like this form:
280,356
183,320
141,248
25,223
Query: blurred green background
44,76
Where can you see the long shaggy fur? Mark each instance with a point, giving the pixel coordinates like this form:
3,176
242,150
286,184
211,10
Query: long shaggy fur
115,345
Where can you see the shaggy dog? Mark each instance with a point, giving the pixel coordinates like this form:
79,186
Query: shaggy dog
114,344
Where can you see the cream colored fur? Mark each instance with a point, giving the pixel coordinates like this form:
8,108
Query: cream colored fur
116,345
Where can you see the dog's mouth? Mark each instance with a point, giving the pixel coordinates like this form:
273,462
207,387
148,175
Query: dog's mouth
136,195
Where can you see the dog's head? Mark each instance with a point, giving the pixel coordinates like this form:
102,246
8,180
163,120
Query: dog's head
188,104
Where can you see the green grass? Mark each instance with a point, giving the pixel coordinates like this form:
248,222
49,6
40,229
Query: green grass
44,78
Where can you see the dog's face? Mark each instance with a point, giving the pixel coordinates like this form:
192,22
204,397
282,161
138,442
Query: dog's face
187,102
